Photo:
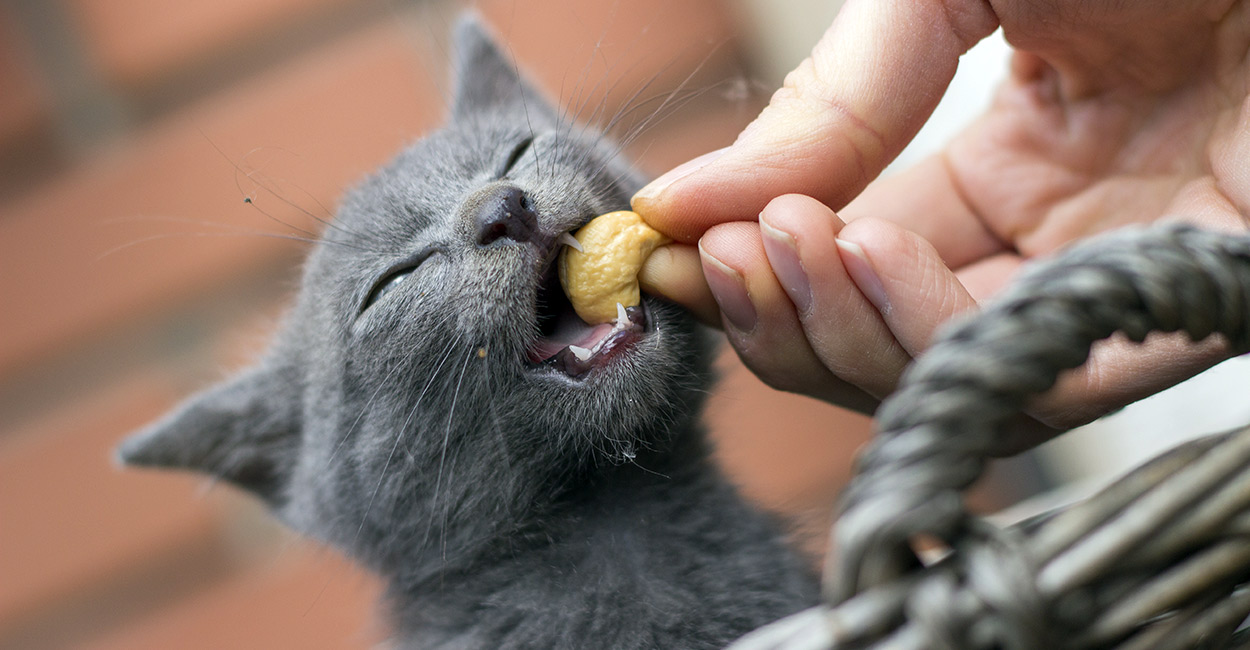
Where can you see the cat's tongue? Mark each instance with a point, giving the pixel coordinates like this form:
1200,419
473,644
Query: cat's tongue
571,331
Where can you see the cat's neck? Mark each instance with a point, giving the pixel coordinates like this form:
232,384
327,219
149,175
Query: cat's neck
538,511
624,538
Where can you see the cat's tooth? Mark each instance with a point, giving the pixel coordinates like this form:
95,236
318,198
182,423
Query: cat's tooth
621,316
571,241
581,353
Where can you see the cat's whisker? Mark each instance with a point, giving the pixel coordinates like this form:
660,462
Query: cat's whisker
451,414
399,435
593,123
585,126
356,422
269,183
588,126
604,127
233,228
670,101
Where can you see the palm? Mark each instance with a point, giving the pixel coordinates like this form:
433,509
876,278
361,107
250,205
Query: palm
1112,115
1115,113
1063,155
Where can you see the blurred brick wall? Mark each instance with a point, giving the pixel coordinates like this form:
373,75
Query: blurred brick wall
134,272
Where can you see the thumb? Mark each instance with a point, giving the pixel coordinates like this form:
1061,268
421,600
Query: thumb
839,119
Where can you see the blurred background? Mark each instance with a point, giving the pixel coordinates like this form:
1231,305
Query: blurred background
159,162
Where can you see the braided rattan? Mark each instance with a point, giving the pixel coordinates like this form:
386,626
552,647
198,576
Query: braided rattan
1160,559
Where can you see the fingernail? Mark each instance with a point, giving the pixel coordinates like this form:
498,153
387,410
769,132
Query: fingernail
657,186
863,273
783,256
730,291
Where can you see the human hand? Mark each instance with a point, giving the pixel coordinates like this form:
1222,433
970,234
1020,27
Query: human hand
1114,113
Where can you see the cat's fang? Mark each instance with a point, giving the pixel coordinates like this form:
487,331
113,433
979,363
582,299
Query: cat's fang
585,351
569,240
621,316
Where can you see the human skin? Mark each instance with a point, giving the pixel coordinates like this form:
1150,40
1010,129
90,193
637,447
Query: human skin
828,280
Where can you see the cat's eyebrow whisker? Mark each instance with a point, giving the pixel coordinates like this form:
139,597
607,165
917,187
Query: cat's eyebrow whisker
598,50
592,124
593,120
422,46
170,235
589,126
525,107
642,87
651,120
257,177
629,101
604,93
327,221
329,224
583,124
671,101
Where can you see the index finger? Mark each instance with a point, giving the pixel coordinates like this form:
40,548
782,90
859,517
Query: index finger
839,119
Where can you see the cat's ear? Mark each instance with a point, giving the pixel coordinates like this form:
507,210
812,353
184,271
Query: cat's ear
486,78
245,431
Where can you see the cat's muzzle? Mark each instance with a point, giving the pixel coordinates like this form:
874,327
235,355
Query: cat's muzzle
570,345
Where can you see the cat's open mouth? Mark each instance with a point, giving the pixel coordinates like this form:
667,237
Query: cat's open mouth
569,344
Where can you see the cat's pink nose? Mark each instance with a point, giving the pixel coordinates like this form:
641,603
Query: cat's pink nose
506,214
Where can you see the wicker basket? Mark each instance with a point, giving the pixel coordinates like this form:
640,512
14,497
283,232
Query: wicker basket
1160,559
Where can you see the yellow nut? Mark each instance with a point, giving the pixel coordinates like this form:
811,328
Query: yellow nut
605,271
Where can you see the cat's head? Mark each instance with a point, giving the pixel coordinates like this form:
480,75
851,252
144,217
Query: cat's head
421,385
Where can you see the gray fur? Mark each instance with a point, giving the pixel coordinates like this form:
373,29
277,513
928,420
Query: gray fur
507,505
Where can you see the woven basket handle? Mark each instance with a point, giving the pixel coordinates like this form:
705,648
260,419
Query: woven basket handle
952,406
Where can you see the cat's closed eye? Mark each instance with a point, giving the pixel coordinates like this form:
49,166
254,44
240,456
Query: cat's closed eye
513,156
390,279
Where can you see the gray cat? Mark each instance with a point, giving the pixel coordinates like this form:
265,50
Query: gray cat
421,410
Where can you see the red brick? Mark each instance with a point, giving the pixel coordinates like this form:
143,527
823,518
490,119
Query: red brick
787,451
305,599
27,138
138,41
70,517
582,50
24,104
158,218
794,454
